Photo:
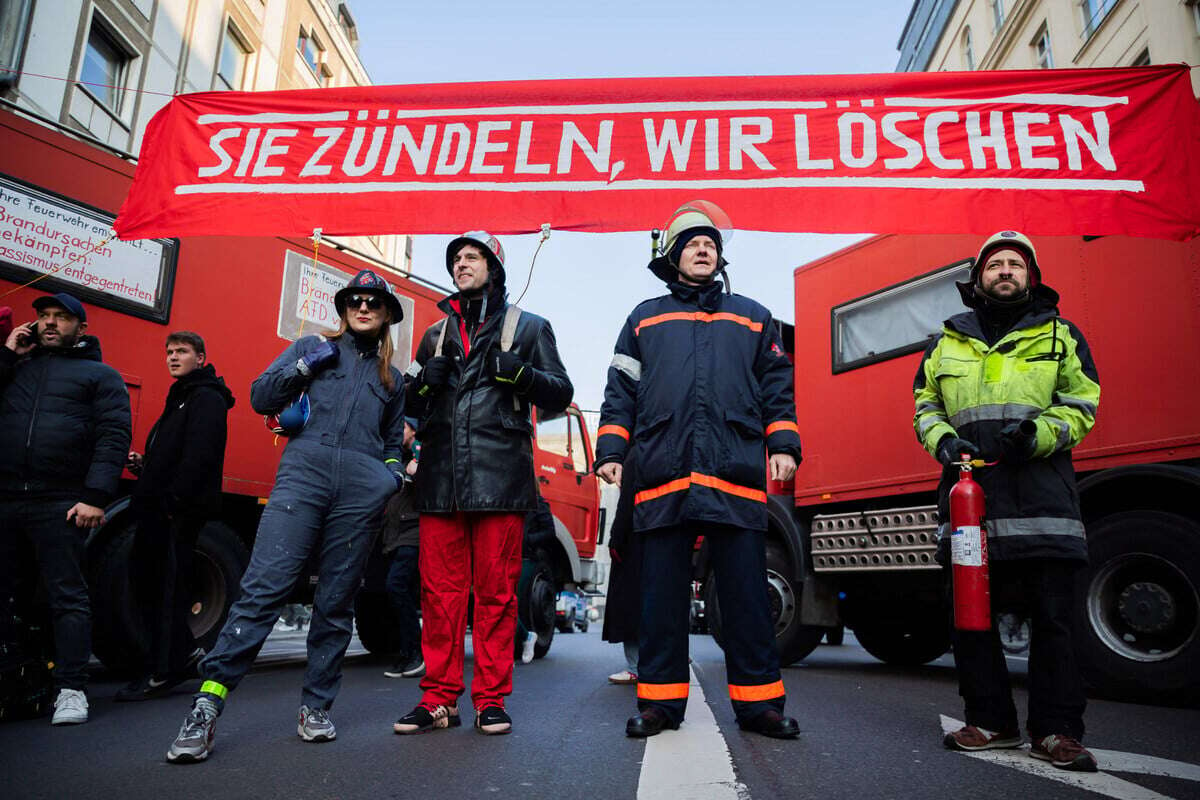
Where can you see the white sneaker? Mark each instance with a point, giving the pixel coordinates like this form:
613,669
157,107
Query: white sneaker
70,707
623,677
527,647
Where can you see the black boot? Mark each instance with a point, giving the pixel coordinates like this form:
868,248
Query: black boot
649,722
772,723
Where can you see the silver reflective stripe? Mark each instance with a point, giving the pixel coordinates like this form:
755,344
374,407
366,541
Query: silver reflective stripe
414,369
929,422
1064,433
629,365
994,412
1035,526
925,407
1086,406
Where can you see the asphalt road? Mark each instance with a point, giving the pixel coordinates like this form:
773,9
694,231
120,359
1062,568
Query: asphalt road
869,731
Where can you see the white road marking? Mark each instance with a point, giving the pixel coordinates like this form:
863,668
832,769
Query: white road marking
692,763
1098,782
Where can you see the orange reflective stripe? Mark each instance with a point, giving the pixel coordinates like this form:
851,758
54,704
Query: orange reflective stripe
729,488
782,425
653,494
662,691
698,316
750,694
615,430
680,484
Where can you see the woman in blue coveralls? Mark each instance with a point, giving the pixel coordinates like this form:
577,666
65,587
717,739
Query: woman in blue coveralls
334,479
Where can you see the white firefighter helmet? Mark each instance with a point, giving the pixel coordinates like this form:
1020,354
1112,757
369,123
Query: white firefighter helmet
697,214
486,242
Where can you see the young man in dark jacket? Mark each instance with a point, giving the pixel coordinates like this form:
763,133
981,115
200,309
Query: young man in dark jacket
476,480
178,489
64,435
1014,383
701,385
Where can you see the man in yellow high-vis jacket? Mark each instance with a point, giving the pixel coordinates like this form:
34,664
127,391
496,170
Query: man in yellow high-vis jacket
1014,383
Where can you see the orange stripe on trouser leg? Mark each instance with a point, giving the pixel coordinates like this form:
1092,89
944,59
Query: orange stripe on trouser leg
662,691
750,694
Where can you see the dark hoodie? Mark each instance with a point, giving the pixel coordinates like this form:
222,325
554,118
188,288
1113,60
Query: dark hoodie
185,450
64,423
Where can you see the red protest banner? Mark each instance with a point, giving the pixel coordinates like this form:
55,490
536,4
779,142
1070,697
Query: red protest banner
1088,151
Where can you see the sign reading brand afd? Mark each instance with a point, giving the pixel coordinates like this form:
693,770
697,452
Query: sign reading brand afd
43,233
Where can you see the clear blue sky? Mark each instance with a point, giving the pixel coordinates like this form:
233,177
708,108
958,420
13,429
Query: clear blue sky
586,284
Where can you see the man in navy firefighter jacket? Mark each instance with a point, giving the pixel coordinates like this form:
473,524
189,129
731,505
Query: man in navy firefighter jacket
700,385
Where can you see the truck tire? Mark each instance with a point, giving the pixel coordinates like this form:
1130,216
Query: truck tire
795,641
906,643
375,623
118,637
1138,633
536,605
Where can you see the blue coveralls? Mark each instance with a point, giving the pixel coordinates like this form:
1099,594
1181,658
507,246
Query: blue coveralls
329,495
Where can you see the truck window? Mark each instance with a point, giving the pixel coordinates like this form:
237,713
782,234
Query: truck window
579,454
897,320
552,433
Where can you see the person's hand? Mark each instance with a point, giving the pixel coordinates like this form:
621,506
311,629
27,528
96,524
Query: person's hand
320,357
134,462
86,516
1018,441
951,448
508,369
22,338
436,373
610,473
411,467
783,467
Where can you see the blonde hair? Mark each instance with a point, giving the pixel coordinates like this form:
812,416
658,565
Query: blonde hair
385,346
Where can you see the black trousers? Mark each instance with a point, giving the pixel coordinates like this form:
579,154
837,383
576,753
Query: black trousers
40,522
1046,589
404,593
163,550
738,559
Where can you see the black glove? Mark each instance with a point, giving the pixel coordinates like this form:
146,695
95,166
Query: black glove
436,374
1018,441
509,370
951,448
323,355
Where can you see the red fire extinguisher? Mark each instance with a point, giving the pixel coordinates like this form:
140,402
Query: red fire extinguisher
968,553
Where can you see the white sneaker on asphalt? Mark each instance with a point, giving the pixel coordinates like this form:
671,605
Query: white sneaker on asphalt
195,739
70,707
622,678
315,725
527,647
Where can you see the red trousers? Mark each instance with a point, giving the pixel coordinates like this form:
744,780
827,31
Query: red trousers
461,552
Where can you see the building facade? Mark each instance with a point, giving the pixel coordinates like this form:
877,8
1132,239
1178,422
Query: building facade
103,68
1043,34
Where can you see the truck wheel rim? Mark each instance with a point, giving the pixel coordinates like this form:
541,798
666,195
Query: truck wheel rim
782,600
1142,607
208,593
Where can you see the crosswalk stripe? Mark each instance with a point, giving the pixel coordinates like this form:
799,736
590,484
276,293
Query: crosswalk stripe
692,763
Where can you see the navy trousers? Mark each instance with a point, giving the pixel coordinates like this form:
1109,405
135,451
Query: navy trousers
738,559
404,592
329,502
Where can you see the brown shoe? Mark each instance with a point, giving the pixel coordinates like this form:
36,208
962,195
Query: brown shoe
970,738
1064,753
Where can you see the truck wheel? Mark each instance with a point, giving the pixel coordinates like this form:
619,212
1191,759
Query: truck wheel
118,638
1138,635
375,623
907,643
536,606
795,640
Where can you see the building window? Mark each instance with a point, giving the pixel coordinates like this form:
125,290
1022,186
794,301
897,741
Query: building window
235,54
105,68
897,320
968,46
1094,12
998,13
1196,15
324,75
1042,54
310,49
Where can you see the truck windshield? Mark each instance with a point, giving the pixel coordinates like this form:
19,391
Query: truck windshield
897,320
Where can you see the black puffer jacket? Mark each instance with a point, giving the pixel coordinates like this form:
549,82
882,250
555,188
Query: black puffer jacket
185,450
476,448
64,423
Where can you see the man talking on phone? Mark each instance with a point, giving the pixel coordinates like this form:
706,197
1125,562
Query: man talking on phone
64,436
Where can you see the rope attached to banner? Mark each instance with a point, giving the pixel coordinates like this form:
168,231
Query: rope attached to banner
93,249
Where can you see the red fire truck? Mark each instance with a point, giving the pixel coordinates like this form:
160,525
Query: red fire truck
247,297
852,542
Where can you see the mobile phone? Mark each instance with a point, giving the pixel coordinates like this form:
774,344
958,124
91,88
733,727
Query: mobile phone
30,337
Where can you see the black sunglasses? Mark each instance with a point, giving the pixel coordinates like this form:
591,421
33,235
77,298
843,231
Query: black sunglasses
374,302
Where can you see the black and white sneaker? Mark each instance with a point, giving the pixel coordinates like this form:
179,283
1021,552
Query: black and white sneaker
315,725
412,667
427,718
195,739
493,721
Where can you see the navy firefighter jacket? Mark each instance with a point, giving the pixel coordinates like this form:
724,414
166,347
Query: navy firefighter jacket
700,383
